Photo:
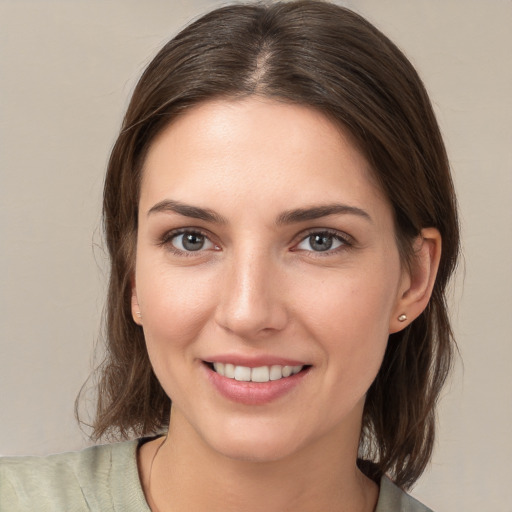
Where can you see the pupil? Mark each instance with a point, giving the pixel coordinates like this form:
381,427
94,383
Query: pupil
193,242
320,242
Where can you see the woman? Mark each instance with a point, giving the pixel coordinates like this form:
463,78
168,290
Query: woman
282,226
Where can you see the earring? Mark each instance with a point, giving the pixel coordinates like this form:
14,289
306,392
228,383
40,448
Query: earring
138,314
402,318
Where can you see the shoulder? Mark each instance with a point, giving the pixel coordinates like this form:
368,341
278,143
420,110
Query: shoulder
93,479
393,499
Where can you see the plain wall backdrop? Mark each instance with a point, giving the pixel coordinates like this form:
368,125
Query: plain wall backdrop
66,72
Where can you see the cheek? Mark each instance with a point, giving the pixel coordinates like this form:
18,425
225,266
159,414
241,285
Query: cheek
349,319
174,309
354,305
174,312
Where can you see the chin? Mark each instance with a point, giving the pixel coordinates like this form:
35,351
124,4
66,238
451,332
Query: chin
254,445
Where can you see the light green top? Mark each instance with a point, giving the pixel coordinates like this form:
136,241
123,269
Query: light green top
105,478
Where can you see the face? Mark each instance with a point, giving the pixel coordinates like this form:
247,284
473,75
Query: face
267,277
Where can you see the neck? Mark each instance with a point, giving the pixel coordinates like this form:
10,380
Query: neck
182,473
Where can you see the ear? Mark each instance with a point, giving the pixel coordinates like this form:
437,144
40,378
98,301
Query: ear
418,281
136,315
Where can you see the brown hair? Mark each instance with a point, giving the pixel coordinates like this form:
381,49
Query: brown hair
327,57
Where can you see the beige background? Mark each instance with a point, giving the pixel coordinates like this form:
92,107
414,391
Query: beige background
66,72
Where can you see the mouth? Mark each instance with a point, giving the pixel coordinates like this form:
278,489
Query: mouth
257,383
259,374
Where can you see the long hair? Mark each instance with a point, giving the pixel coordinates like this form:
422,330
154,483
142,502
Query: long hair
316,54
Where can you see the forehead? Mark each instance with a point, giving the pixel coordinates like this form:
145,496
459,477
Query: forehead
278,152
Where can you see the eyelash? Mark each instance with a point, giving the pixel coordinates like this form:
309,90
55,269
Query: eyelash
167,239
346,241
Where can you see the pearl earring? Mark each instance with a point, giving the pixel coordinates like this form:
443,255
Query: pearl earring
402,318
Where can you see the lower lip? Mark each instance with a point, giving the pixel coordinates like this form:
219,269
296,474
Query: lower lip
254,393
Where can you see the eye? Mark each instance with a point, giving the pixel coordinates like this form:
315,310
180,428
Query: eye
322,242
190,241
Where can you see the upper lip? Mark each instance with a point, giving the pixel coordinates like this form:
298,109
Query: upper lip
254,361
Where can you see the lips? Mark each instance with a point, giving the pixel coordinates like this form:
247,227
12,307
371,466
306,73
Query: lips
254,381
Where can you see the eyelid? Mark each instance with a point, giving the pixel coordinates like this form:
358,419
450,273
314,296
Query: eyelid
167,238
346,239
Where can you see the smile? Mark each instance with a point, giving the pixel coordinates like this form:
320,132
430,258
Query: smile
257,383
259,374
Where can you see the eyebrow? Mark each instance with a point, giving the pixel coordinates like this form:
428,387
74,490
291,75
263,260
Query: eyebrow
316,212
287,217
195,212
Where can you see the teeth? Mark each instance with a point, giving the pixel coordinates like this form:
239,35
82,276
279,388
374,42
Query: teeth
259,374
229,370
242,373
276,372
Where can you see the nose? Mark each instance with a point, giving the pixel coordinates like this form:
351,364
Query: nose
252,301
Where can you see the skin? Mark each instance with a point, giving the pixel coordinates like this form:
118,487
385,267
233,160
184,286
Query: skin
258,287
